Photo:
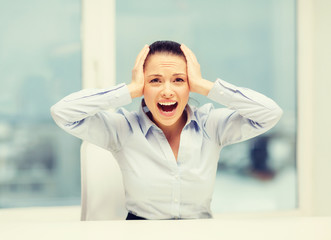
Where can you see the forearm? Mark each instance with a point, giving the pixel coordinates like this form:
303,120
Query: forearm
88,102
135,90
248,103
202,87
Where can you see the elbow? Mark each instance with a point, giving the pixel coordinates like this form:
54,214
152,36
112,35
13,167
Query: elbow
54,111
278,113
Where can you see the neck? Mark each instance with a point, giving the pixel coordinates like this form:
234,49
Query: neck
175,129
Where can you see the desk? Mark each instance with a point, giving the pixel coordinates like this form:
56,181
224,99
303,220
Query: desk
302,228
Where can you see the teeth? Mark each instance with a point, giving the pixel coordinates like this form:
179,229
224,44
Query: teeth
167,103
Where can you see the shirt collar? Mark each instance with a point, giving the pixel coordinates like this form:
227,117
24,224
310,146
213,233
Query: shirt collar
146,123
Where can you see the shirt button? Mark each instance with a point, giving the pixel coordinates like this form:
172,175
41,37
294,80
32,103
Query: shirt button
221,92
176,200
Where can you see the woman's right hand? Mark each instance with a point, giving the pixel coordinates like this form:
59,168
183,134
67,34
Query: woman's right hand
136,87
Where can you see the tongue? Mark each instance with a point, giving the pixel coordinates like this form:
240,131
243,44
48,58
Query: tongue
168,108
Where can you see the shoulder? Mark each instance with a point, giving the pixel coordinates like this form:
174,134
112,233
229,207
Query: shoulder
130,116
208,112
202,111
200,114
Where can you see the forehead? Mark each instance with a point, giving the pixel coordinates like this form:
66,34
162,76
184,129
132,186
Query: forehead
164,61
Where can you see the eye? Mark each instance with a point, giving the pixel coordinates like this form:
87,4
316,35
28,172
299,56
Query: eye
179,80
155,80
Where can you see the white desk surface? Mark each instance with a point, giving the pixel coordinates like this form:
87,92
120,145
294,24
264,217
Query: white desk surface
301,228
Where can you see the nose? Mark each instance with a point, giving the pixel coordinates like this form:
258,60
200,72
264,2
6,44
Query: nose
167,91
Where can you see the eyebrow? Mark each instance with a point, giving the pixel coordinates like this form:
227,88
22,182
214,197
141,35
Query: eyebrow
159,75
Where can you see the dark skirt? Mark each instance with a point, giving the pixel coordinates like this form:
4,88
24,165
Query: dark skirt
134,217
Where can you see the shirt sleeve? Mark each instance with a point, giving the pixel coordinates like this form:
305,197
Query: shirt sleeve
247,115
84,114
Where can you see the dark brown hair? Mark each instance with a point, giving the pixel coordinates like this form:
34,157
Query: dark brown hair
170,47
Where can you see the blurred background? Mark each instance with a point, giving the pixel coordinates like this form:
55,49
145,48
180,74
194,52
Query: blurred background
40,62
248,43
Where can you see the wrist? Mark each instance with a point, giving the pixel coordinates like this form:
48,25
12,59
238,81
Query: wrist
203,87
135,91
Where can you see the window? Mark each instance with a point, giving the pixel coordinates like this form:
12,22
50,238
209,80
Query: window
40,63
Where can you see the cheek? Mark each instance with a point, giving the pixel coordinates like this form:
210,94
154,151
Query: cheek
185,94
149,95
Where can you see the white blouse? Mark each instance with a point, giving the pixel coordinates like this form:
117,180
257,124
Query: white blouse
156,185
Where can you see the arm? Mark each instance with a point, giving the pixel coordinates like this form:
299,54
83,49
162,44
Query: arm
248,113
83,114
136,87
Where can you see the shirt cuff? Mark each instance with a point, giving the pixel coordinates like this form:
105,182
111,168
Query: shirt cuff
119,96
222,92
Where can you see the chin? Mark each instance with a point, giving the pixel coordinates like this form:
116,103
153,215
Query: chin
167,123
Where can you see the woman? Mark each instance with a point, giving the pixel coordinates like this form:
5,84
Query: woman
168,150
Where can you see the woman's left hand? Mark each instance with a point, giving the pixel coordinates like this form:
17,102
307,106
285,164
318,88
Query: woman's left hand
196,82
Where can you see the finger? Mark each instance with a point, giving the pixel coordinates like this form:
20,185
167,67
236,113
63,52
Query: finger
185,51
142,56
188,53
141,52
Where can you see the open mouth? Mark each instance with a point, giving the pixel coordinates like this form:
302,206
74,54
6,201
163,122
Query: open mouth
167,106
